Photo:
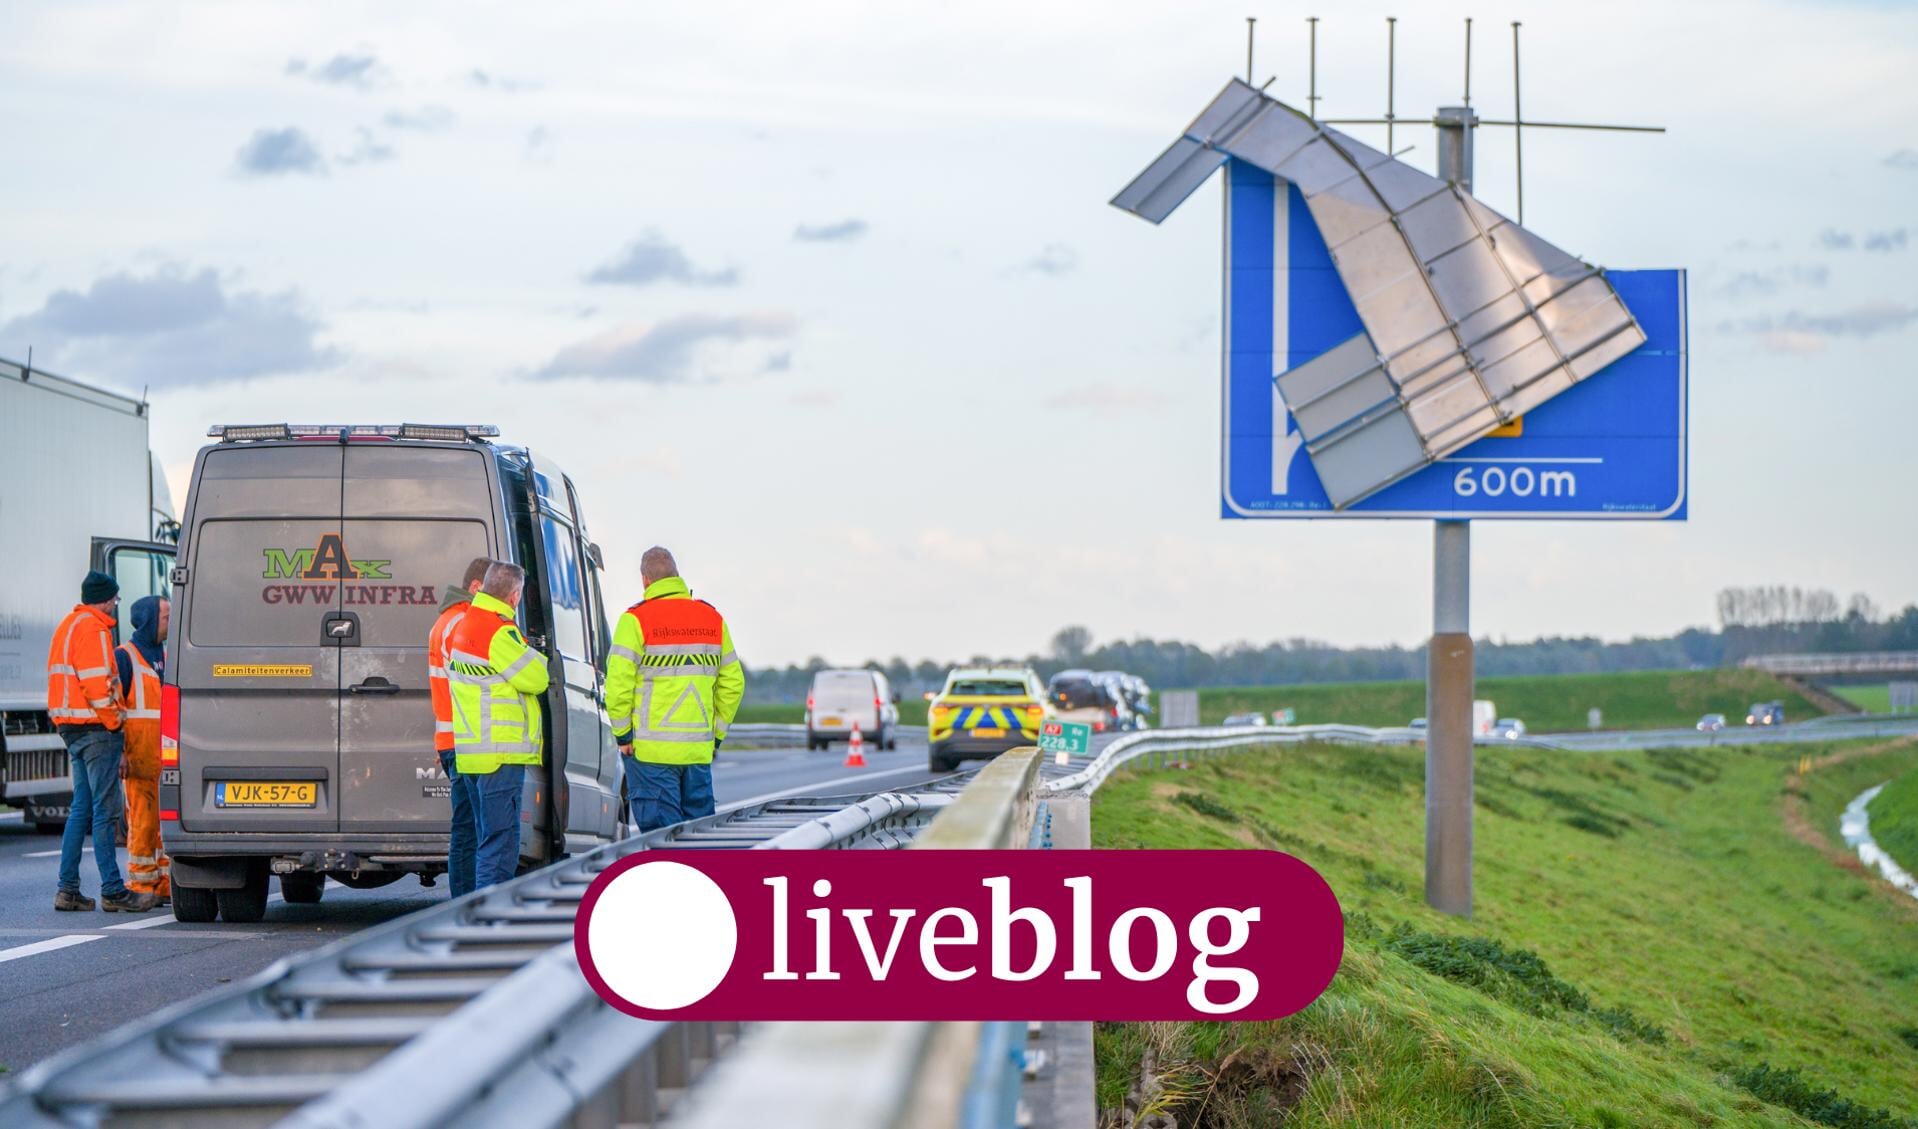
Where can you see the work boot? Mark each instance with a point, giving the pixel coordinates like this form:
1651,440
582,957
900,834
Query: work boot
128,901
67,900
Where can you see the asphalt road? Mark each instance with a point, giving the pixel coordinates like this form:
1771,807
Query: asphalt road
68,977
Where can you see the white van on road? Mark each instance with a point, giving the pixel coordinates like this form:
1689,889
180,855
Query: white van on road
843,700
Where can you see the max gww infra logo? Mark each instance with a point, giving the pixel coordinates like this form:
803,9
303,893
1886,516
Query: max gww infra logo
315,572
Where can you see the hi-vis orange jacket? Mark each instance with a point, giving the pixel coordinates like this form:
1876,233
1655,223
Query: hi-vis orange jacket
83,688
441,693
673,683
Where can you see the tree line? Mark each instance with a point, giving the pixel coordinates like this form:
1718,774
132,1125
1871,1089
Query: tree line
1752,621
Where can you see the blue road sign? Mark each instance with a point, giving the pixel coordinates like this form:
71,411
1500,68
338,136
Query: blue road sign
1612,447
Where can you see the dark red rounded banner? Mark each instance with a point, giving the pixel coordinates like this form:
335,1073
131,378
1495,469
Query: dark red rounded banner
950,935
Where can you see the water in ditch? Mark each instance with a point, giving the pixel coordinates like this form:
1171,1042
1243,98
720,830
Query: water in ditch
1855,826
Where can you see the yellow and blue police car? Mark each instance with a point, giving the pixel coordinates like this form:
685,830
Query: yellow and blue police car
982,712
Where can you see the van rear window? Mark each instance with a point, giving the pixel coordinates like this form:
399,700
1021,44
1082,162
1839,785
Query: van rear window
399,480
269,482
855,682
398,600
264,583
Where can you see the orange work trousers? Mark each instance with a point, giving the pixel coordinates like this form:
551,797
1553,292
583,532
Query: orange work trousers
146,861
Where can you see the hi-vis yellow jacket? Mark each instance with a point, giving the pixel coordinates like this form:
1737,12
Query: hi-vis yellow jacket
496,681
673,683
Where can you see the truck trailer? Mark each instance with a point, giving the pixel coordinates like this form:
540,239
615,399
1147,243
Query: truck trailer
79,489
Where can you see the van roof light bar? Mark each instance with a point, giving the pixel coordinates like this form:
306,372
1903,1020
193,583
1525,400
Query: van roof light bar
444,432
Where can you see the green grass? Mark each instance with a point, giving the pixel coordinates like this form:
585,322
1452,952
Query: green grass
1650,947
1894,821
1547,703
1871,699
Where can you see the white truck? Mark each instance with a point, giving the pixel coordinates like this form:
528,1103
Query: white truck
79,489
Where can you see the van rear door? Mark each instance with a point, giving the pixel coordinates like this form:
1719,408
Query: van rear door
259,681
413,517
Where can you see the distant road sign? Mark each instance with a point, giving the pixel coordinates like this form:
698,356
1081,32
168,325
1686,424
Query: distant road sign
1064,737
1286,716
1178,709
1612,447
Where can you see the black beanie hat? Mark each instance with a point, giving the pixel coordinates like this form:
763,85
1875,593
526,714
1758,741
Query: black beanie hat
98,588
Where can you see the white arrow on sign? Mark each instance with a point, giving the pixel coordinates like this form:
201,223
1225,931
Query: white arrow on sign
1286,442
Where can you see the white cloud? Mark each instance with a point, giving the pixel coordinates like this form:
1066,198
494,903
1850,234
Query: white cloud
172,328
677,349
278,152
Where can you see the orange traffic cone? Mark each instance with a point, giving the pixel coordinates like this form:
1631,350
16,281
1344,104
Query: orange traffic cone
856,750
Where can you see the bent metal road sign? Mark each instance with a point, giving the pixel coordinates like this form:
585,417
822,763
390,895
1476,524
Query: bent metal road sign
1611,447
1438,360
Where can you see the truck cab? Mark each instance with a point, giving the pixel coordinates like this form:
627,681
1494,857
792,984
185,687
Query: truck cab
297,728
109,511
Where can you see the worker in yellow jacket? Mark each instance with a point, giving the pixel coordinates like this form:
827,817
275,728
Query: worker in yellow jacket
673,686
495,681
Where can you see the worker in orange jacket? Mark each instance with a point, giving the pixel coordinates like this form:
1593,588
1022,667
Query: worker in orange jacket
83,700
140,663
462,841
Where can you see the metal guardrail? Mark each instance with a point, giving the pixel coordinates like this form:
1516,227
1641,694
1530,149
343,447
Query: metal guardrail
473,1012
1157,743
893,1075
1858,662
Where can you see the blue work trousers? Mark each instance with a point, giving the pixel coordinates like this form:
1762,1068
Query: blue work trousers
94,757
462,842
661,795
496,807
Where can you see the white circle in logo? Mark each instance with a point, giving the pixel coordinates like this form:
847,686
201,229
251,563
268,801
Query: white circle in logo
662,935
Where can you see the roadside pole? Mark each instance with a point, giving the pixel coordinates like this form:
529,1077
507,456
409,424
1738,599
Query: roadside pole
1448,680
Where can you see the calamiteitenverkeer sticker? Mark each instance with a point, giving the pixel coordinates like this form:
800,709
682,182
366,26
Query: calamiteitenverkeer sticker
262,670
956,935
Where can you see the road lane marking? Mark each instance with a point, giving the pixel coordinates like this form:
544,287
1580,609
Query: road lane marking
51,853
48,945
160,917
819,786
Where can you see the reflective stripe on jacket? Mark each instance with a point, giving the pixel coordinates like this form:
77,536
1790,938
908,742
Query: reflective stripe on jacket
673,683
494,681
141,700
436,673
83,688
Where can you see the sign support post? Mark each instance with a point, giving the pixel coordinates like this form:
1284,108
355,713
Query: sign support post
1448,657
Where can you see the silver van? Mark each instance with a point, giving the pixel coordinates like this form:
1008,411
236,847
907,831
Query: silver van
311,565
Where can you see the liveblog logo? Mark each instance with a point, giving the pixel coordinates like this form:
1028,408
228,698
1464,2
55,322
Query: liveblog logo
956,935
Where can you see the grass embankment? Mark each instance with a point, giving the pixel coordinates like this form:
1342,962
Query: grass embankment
1656,699
1870,699
1894,820
1651,946
912,711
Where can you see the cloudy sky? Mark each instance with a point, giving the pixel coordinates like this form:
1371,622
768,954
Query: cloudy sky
828,298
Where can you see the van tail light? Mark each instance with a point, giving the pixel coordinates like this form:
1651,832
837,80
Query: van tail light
1035,713
170,726
1099,725
877,704
809,702
169,815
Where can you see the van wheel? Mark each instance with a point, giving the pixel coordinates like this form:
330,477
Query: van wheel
247,904
194,905
303,888
937,762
